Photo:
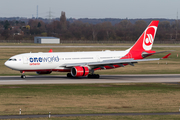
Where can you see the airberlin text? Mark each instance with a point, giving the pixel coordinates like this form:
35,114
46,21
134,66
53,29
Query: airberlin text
38,60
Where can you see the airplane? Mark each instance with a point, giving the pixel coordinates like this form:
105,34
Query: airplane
80,64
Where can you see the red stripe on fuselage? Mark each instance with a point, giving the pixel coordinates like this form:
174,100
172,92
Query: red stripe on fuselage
55,70
108,67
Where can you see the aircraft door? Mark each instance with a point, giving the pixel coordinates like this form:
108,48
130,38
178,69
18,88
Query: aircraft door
129,55
98,58
25,60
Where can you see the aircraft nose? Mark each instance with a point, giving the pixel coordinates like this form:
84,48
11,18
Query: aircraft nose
11,65
6,64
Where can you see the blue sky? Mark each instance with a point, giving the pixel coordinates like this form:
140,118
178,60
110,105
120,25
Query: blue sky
91,8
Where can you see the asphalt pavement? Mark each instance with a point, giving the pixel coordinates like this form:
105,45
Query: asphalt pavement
62,79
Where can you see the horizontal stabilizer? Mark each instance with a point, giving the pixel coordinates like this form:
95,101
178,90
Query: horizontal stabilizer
156,52
145,54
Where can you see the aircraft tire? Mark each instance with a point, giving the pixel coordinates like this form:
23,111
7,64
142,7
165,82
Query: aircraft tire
97,76
93,76
69,75
23,76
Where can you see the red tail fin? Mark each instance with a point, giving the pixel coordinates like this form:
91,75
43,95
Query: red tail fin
145,41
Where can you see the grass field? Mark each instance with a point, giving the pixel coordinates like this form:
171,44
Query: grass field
153,117
90,98
154,67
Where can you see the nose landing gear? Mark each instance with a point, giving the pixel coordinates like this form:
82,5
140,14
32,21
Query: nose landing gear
22,75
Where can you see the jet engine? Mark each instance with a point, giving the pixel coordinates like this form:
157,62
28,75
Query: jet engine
79,71
43,72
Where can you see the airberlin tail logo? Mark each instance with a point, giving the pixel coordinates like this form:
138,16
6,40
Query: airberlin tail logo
149,35
149,39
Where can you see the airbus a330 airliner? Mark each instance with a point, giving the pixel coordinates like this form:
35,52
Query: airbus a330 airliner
79,64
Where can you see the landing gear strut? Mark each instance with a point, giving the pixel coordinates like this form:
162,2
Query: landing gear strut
22,75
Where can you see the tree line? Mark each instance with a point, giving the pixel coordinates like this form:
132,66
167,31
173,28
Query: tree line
125,30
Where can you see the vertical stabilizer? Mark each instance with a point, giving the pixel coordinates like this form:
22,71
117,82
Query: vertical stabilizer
145,41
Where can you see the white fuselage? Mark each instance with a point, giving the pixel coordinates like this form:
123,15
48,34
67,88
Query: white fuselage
58,60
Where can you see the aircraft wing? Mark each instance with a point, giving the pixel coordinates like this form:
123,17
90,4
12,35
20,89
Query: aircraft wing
119,62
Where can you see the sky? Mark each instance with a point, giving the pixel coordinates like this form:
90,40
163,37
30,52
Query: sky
130,9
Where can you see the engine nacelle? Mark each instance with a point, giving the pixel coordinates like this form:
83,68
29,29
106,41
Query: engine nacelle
79,71
43,72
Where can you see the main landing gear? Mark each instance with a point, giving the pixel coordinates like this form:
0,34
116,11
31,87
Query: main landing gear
22,75
69,75
93,76
89,76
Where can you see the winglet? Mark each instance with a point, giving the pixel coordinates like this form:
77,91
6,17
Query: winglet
50,50
166,56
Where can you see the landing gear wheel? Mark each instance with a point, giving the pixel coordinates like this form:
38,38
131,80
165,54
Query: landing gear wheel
69,75
23,76
97,76
93,76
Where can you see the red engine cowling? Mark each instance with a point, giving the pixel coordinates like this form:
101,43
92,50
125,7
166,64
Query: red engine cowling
79,71
43,72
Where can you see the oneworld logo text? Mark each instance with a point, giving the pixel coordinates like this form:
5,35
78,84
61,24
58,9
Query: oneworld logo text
44,59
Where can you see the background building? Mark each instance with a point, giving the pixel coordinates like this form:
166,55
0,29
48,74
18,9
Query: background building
49,40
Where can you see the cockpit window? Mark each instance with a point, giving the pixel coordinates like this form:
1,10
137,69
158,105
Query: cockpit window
12,59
